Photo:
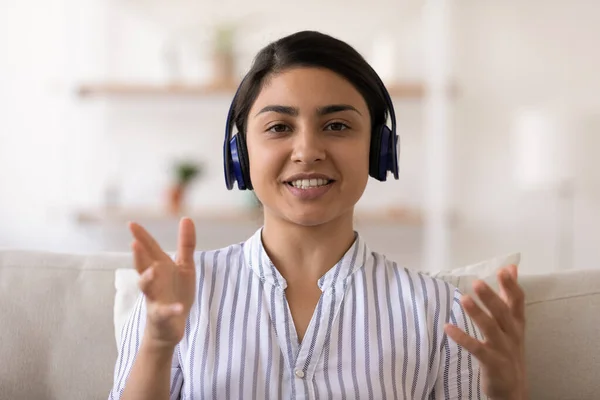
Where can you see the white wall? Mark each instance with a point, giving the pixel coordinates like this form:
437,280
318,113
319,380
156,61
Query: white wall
85,145
46,140
144,136
58,152
523,54
31,119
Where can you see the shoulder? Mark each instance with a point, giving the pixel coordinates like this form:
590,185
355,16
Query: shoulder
424,290
216,271
411,274
219,258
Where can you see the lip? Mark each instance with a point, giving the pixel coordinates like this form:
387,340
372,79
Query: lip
308,175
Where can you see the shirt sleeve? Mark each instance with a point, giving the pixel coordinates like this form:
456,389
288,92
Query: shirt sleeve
459,374
131,336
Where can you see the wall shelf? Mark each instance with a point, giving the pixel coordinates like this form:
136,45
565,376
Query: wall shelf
392,216
406,90
152,90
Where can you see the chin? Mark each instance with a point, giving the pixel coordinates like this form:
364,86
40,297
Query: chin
307,221
312,218
310,213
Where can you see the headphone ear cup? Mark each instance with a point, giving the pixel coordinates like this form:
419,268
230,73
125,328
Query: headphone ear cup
244,160
375,153
235,167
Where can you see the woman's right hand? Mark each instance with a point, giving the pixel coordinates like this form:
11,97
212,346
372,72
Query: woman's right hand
168,286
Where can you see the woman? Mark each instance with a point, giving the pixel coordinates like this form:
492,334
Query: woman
303,309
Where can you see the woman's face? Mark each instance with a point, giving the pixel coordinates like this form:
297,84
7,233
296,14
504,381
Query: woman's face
308,136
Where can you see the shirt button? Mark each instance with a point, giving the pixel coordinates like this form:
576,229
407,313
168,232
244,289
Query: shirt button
300,373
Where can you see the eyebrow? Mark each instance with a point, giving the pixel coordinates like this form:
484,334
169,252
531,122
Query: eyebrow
294,111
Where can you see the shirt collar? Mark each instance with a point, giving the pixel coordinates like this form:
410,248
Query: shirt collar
258,260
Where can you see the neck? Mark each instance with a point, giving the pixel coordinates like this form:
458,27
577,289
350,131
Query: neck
303,254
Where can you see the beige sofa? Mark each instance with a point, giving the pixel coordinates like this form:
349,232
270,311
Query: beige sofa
57,335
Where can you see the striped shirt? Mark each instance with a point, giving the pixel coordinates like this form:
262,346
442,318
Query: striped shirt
376,333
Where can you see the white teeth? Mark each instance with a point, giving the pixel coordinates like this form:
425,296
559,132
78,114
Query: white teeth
309,183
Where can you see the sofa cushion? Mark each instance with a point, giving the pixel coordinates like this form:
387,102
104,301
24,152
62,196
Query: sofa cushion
127,292
562,313
56,337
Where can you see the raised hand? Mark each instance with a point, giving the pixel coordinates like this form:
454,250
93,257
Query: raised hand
169,286
501,354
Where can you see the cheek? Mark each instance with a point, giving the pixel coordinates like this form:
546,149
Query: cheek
354,160
265,165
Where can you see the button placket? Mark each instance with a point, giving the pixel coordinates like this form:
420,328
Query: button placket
307,371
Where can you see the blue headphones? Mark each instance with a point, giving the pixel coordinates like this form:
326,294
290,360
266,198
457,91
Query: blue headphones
383,155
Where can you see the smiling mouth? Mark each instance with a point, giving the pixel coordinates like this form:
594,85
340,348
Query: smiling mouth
310,183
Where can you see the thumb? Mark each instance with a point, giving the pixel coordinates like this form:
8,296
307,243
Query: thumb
186,244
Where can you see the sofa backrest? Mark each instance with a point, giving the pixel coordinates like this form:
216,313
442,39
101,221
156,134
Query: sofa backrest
563,332
56,324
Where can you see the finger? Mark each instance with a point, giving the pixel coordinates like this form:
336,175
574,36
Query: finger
472,345
500,276
140,257
163,312
146,283
147,241
511,270
514,271
498,309
513,295
488,325
186,243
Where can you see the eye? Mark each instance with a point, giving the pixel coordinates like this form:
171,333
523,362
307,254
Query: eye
278,128
336,126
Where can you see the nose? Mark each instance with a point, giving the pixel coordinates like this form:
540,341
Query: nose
308,147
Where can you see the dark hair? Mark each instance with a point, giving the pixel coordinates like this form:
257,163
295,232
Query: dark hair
310,49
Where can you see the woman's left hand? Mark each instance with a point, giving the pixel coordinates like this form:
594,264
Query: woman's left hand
501,354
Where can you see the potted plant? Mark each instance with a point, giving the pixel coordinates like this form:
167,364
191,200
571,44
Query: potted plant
185,172
223,54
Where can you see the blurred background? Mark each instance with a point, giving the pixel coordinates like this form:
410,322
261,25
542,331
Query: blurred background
114,110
